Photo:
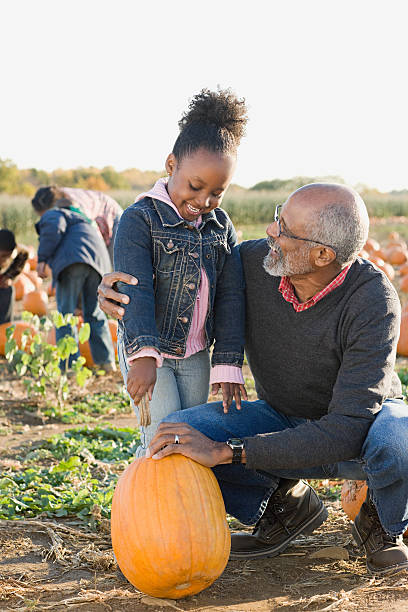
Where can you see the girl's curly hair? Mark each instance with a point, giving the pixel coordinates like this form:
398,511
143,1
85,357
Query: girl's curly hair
215,121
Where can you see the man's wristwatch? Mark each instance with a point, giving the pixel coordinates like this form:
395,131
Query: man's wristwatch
237,446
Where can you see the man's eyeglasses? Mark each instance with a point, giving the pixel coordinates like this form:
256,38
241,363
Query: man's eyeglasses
288,234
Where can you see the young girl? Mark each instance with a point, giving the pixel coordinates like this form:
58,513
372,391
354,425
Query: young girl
182,248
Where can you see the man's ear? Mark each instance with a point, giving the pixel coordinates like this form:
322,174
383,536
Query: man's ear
322,256
170,164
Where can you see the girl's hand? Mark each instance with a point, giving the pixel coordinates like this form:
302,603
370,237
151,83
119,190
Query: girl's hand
230,391
141,378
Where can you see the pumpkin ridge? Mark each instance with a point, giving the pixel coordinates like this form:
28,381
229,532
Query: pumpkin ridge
186,514
215,497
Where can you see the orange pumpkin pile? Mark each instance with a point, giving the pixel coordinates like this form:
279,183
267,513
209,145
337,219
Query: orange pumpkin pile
20,326
169,531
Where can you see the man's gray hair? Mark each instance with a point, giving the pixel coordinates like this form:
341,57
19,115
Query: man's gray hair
343,228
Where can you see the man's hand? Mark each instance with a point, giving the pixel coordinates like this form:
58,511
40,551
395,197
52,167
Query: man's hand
141,378
192,443
230,391
109,300
42,269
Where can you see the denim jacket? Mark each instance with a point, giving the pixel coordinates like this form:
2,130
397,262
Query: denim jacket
166,254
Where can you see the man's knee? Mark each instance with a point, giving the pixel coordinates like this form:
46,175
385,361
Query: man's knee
387,440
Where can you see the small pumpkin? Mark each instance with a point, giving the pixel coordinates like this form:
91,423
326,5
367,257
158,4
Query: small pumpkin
36,302
169,531
20,327
396,256
35,279
85,348
371,245
404,283
402,346
353,494
23,285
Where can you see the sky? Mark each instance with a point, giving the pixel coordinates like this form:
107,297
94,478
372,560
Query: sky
97,82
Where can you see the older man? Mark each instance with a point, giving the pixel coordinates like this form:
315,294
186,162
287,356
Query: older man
322,328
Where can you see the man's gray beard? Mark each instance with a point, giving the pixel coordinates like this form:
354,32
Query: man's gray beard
286,266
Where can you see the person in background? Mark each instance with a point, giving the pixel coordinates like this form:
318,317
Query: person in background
183,249
12,260
95,205
77,256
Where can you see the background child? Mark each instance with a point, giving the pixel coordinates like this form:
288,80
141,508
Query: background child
182,248
78,258
97,206
12,260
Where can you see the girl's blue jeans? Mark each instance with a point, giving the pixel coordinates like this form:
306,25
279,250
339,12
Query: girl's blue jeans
76,280
180,384
383,462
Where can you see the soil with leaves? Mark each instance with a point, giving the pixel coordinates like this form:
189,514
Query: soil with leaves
58,469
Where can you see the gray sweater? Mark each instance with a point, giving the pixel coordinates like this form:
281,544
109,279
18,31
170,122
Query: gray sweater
332,364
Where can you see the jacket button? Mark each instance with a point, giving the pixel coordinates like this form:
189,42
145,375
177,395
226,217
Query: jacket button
184,319
208,256
191,286
178,351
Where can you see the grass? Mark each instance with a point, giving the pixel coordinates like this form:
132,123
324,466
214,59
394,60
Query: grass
249,210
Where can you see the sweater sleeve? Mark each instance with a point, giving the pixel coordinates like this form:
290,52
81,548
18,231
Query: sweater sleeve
369,338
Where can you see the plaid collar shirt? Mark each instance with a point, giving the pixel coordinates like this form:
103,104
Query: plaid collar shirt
288,293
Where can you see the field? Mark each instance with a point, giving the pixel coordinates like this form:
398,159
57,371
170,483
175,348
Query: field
58,468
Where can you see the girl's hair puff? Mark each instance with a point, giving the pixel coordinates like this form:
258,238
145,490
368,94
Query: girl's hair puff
215,121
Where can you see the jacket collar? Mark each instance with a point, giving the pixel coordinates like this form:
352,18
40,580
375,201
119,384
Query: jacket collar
169,217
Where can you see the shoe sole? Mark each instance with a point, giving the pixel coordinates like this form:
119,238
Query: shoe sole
391,569
307,528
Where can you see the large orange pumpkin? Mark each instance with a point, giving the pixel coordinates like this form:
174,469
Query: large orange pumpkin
23,285
353,494
36,302
169,532
17,335
85,348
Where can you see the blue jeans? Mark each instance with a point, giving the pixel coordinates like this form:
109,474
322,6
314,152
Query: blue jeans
383,462
180,384
82,280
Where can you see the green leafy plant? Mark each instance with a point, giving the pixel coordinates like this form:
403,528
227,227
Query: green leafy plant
45,366
69,474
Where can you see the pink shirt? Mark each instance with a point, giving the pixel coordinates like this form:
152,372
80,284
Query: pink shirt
196,337
97,206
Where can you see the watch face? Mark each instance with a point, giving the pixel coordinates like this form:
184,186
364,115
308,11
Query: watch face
235,442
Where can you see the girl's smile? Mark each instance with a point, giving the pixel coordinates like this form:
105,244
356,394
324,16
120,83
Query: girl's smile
198,182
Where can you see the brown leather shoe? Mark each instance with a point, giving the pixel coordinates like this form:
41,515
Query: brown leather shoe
385,554
294,508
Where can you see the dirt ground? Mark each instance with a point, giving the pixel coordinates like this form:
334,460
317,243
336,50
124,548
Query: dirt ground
56,564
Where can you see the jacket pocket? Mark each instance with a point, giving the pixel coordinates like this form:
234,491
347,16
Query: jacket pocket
169,255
